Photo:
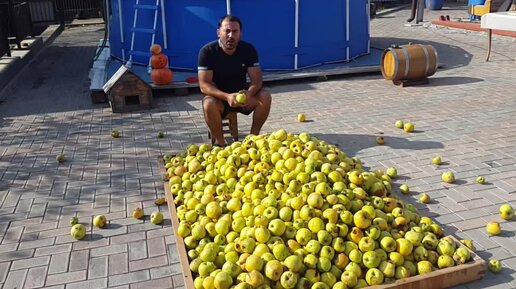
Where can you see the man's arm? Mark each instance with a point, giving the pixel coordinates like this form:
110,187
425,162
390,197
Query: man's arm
208,88
255,77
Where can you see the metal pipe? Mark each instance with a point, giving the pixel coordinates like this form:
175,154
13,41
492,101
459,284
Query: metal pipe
368,26
164,24
296,33
121,28
135,18
228,7
347,29
107,11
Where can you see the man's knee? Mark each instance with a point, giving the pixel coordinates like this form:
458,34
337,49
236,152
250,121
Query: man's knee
265,97
210,103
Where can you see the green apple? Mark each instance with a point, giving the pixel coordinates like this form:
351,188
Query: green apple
60,158
240,97
78,231
506,212
362,219
399,123
254,278
424,198
380,224
404,246
262,235
277,227
74,220
115,133
315,200
324,264
280,251
392,172
370,259
366,244
374,276
303,236
414,237
461,255
339,285
445,248
324,237
327,252
420,253
316,224
411,267
293,263
424,267
469,244
373,232
223,280
408,127
493,228
354,267
495,266
430,241
388,244
349,278
355,255
388,268
320,285
448,177
341,261
436,160
310,261
401,273
445,261
404,189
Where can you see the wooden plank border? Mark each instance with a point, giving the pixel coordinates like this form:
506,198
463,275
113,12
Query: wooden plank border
440,279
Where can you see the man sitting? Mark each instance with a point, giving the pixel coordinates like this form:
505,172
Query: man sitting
223,66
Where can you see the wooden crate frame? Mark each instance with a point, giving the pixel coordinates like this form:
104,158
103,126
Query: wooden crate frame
440,279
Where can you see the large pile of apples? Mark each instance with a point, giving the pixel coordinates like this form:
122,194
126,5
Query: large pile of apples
291,211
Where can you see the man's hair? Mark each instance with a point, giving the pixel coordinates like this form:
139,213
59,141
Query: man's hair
230,18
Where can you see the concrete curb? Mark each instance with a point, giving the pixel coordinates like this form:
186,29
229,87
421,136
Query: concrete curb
391,10
10,67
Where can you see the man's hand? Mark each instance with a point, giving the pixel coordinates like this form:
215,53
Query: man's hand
250,104
231,99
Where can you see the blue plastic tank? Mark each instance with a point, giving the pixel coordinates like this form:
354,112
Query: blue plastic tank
288,35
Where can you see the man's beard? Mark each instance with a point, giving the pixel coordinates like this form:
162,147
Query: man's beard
230,44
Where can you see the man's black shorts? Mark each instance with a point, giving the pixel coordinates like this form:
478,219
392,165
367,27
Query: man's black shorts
228,109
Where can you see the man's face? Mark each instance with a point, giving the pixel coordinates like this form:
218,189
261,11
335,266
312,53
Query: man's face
229,34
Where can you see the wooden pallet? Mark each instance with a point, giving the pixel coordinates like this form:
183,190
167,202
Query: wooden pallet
183,258
440,279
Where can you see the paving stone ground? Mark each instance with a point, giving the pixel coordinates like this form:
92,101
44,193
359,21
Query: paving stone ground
466,114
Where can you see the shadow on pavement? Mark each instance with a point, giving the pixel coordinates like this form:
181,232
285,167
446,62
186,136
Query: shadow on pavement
451,80
353,143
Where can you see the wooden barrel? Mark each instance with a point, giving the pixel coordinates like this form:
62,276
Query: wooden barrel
408,62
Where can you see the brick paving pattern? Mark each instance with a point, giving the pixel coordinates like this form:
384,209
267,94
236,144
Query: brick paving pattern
467,114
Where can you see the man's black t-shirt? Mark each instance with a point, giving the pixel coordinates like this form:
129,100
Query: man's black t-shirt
229,71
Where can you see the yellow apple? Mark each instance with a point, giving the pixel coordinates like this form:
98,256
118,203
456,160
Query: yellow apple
408,127
99,221
493,228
